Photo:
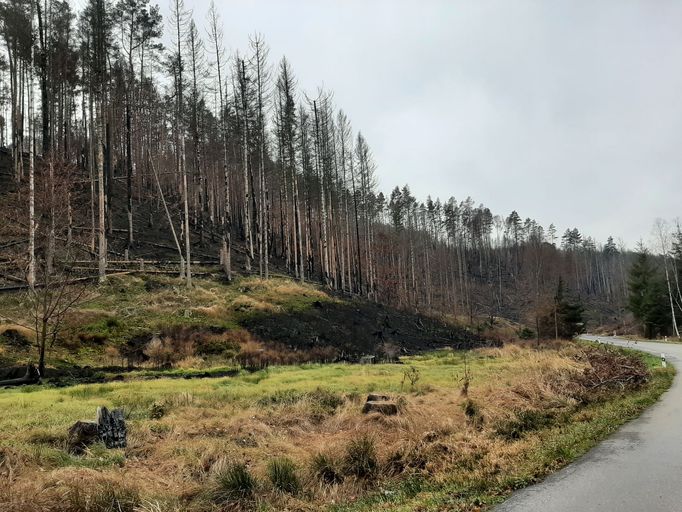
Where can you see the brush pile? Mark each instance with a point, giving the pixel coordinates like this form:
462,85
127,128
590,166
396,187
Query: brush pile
611,370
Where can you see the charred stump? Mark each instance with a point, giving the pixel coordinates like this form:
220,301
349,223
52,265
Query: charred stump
110,428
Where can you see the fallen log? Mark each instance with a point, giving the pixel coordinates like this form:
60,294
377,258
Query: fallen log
32,376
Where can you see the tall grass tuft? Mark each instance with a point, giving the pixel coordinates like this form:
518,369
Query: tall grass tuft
360,459
233,484
325,468
105,497
282,475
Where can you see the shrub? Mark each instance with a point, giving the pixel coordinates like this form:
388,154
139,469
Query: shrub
466,378
234,483
112,354
282,475
151,284
360,459
396,463
411,375
191,362
325,401
112,323
390,351
255,355
15,338
157,411
326,468
217,344
252,355
159,352
526,334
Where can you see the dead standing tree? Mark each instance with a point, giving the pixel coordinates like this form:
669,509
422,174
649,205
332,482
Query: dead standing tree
54,290
216,39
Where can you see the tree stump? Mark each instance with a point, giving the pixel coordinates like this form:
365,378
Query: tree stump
81,435
373,397
380,404
385,408
111,427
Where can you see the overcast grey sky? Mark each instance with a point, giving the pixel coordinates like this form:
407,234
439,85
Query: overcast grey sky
567,111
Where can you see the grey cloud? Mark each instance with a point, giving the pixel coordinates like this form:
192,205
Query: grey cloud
569,111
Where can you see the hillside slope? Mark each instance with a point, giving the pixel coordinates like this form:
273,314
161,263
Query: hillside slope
154,321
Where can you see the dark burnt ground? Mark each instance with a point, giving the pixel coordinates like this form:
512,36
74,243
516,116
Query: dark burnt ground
359,327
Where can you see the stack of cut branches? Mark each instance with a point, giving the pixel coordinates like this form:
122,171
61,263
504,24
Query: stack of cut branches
611,370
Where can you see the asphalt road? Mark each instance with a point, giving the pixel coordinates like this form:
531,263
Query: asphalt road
638,469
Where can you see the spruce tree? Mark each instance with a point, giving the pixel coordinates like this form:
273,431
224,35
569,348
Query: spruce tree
568,314
647,295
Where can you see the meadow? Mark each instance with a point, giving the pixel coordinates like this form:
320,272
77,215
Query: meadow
472,426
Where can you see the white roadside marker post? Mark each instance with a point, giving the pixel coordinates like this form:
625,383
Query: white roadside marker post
663,363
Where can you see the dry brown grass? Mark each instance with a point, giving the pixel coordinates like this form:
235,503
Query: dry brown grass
216,311
244,303
176,458
73,490
277,290
82,316
24,331
190,362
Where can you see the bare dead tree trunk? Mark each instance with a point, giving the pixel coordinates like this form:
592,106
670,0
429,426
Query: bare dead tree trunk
216,37
323,202
31,183
245,161
102,247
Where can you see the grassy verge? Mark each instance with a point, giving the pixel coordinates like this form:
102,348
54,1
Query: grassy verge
295,438
543,453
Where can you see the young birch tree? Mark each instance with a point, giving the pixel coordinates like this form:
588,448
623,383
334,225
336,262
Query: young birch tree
662,234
